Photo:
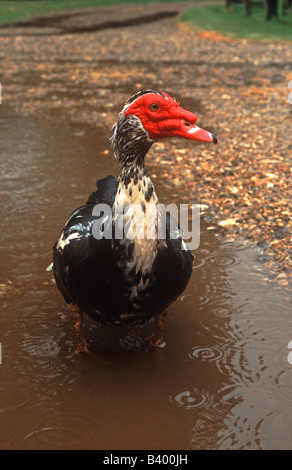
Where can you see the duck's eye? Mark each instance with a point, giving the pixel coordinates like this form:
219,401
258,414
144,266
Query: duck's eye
154,106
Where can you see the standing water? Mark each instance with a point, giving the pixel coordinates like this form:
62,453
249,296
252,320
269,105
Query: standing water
224,379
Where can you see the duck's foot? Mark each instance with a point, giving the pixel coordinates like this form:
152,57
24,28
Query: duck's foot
81,345
156,339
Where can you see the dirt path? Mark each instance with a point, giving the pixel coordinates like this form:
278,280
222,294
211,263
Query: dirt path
237,88
95,19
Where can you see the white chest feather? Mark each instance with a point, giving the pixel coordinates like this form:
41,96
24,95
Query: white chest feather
138,219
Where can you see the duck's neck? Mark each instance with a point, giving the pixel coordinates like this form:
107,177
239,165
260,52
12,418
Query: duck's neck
135,205
135,187
131,144
130,141
135,213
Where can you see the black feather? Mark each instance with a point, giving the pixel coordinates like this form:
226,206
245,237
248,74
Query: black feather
106,191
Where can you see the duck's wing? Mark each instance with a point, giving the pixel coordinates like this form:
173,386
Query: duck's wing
76,242
106,191
172,233
174,260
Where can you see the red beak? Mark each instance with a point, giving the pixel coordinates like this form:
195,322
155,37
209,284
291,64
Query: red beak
192,131
182,123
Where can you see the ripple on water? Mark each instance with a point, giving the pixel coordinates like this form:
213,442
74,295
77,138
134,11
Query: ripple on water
224,312
190,399
206,353
41,352
209,354
195,299
41,347
70,431
236,244
198,263
14,395
223,259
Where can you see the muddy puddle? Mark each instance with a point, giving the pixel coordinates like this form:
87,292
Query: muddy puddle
223,381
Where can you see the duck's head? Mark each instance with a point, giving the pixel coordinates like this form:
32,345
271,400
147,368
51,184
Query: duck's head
150,116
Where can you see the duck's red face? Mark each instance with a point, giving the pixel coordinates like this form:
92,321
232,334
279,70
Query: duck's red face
162,116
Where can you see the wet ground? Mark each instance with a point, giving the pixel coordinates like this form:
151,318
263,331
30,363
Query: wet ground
224,379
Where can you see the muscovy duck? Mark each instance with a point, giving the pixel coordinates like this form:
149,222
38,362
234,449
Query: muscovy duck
119,279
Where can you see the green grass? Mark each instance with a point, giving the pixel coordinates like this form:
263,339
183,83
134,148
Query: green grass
237,25
23,9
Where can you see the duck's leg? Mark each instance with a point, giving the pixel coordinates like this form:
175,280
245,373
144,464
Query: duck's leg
77,318
156,339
